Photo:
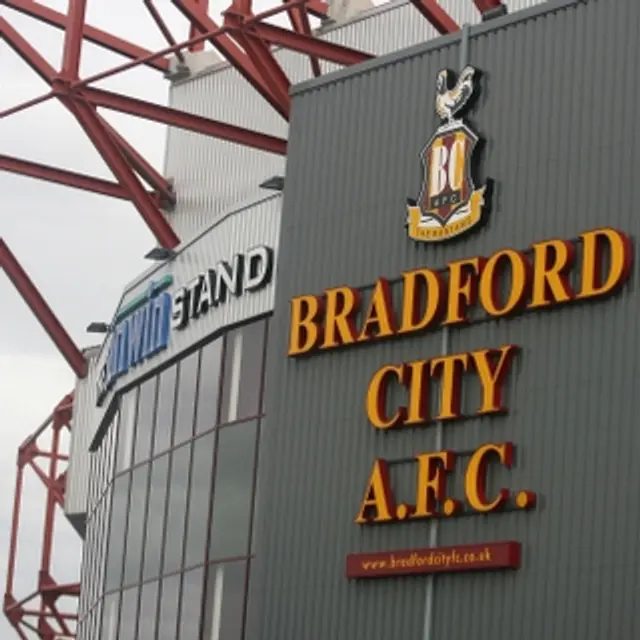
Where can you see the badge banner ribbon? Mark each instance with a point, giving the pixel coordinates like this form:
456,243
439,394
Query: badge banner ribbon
472,211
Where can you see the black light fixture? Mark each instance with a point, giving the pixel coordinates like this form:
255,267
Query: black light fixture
496,11
275,183
99,327
160,254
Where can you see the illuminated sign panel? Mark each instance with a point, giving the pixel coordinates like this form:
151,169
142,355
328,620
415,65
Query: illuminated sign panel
509,282
142,328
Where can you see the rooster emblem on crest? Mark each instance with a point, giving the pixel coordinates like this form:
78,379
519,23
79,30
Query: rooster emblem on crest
450,101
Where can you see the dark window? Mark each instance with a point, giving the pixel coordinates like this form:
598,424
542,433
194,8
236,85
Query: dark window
170,598
209,386
256,506
128,614
144,422
148,611
117,530
192,585
110,617
164,413
177,509
126,425
224,603
242,375
155,517
135,529
199,497
233,491
188,380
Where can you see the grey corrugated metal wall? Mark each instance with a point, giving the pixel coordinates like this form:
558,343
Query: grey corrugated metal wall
559,103
213,175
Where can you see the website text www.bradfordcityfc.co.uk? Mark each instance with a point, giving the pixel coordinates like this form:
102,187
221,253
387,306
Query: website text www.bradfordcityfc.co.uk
433,558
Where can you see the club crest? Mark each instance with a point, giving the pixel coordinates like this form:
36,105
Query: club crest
449,203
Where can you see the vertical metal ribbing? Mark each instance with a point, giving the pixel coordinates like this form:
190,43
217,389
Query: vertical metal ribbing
444,350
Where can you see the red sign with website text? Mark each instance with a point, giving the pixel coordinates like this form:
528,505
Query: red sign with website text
490,556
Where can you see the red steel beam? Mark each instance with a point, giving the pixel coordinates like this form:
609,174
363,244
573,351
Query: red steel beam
209,35
96,36
317,8
299,17
145,169
42,312
436,15
73,39
230,50
182,120
15,525
26,105
116,161
309,45
162,25
49,591
61,176
259,53
203,6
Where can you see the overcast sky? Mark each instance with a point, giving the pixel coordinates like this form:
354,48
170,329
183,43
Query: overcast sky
80,249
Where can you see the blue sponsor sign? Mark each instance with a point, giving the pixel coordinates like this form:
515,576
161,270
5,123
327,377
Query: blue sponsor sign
141,330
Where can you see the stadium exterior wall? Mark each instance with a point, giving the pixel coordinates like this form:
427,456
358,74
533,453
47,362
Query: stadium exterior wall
558,106
220,211
213,176
238,231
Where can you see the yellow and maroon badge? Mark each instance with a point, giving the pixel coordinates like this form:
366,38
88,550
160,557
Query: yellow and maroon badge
449,204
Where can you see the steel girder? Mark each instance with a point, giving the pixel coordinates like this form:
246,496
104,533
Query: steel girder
41,612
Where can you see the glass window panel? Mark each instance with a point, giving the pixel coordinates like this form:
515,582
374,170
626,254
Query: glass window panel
102,546
164,413
243,372
128,614
126,426
155,517
110,617
253,534
224,601
209,386
144,421
137,509
177,509
199,497
168,618
117,530
233,491
191,607
148,611
188,380
112,437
